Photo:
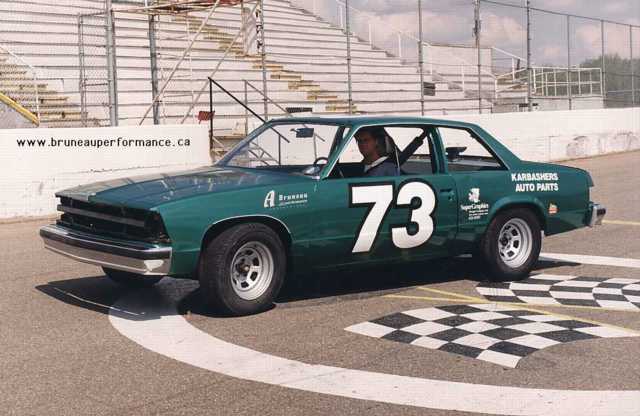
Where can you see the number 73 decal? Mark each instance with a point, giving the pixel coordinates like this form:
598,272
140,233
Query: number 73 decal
378,197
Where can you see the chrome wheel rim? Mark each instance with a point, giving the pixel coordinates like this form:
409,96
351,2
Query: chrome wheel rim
515,242
251,270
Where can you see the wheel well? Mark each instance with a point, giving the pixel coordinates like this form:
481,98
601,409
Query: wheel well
531,207
224,225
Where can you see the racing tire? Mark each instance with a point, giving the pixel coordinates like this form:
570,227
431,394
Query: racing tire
242,269
511,245
132,280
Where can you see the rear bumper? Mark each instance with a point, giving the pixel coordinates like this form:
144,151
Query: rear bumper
134,257
596,214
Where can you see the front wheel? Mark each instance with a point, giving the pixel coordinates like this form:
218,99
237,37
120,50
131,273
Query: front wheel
511,244
242,269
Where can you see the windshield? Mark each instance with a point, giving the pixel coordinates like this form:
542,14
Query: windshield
286,146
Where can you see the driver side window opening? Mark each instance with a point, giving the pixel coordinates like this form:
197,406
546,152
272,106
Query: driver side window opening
416,159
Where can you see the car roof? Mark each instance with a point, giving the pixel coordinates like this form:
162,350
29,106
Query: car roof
369,120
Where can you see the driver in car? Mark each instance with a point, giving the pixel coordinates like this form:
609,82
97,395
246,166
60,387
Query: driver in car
380,154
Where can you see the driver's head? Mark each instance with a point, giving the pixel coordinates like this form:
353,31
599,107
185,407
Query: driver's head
371,143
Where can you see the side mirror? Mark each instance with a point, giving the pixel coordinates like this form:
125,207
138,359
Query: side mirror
313,170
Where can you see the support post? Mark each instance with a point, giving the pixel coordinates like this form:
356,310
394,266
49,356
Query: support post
579,82
569,92
246,104
603,74
81,82
111,64
633,81
244,24
263,59
477,30
348,32
153,54
420,57
529,103
210,115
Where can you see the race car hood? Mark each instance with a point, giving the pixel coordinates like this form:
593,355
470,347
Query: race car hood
153,190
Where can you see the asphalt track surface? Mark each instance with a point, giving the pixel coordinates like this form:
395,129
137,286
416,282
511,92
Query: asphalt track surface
74,343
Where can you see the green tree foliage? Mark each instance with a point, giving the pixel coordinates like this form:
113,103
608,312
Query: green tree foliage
617,79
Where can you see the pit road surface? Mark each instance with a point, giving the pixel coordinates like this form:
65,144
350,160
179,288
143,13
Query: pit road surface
62,355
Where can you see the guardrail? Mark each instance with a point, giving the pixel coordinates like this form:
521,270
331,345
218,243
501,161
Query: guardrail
21,70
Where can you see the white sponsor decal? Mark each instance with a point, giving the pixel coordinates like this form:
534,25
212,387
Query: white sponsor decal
474,195
535,181
477,209
269,200
282,200
534,177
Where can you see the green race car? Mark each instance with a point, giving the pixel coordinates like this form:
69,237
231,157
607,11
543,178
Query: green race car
295,194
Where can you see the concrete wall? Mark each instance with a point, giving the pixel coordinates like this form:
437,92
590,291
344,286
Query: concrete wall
509,105
30,175
11,119
559,135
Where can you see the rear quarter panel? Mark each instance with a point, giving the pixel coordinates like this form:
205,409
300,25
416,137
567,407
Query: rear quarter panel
561,194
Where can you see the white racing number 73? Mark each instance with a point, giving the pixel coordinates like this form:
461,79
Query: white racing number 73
379,198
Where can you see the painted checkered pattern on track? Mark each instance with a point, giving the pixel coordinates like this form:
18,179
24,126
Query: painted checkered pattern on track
549,289
488,332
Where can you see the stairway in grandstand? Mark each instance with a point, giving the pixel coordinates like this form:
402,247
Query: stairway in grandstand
306,66
53,107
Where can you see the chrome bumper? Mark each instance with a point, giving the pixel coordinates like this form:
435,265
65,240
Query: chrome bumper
597,214
134,257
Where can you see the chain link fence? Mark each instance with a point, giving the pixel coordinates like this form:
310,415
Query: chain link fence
19,83
37,38
93,64
524,58
529,58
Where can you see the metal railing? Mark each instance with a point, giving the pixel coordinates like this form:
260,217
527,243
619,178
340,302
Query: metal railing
219,62
20,70
515,60
162,90
556,81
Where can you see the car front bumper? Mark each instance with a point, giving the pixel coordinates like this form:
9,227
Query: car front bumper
135,257
596,214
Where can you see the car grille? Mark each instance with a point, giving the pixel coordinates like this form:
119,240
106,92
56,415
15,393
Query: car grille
112,221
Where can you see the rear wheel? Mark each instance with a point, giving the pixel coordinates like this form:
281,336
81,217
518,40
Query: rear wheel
128,279
242,269
511,244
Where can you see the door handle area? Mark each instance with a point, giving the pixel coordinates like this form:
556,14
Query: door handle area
449,193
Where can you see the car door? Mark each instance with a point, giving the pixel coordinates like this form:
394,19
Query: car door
367,219
480,177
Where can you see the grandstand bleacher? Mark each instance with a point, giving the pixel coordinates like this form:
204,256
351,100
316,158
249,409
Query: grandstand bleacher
306,65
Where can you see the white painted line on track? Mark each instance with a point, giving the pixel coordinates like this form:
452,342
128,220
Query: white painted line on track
168,333
594,260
